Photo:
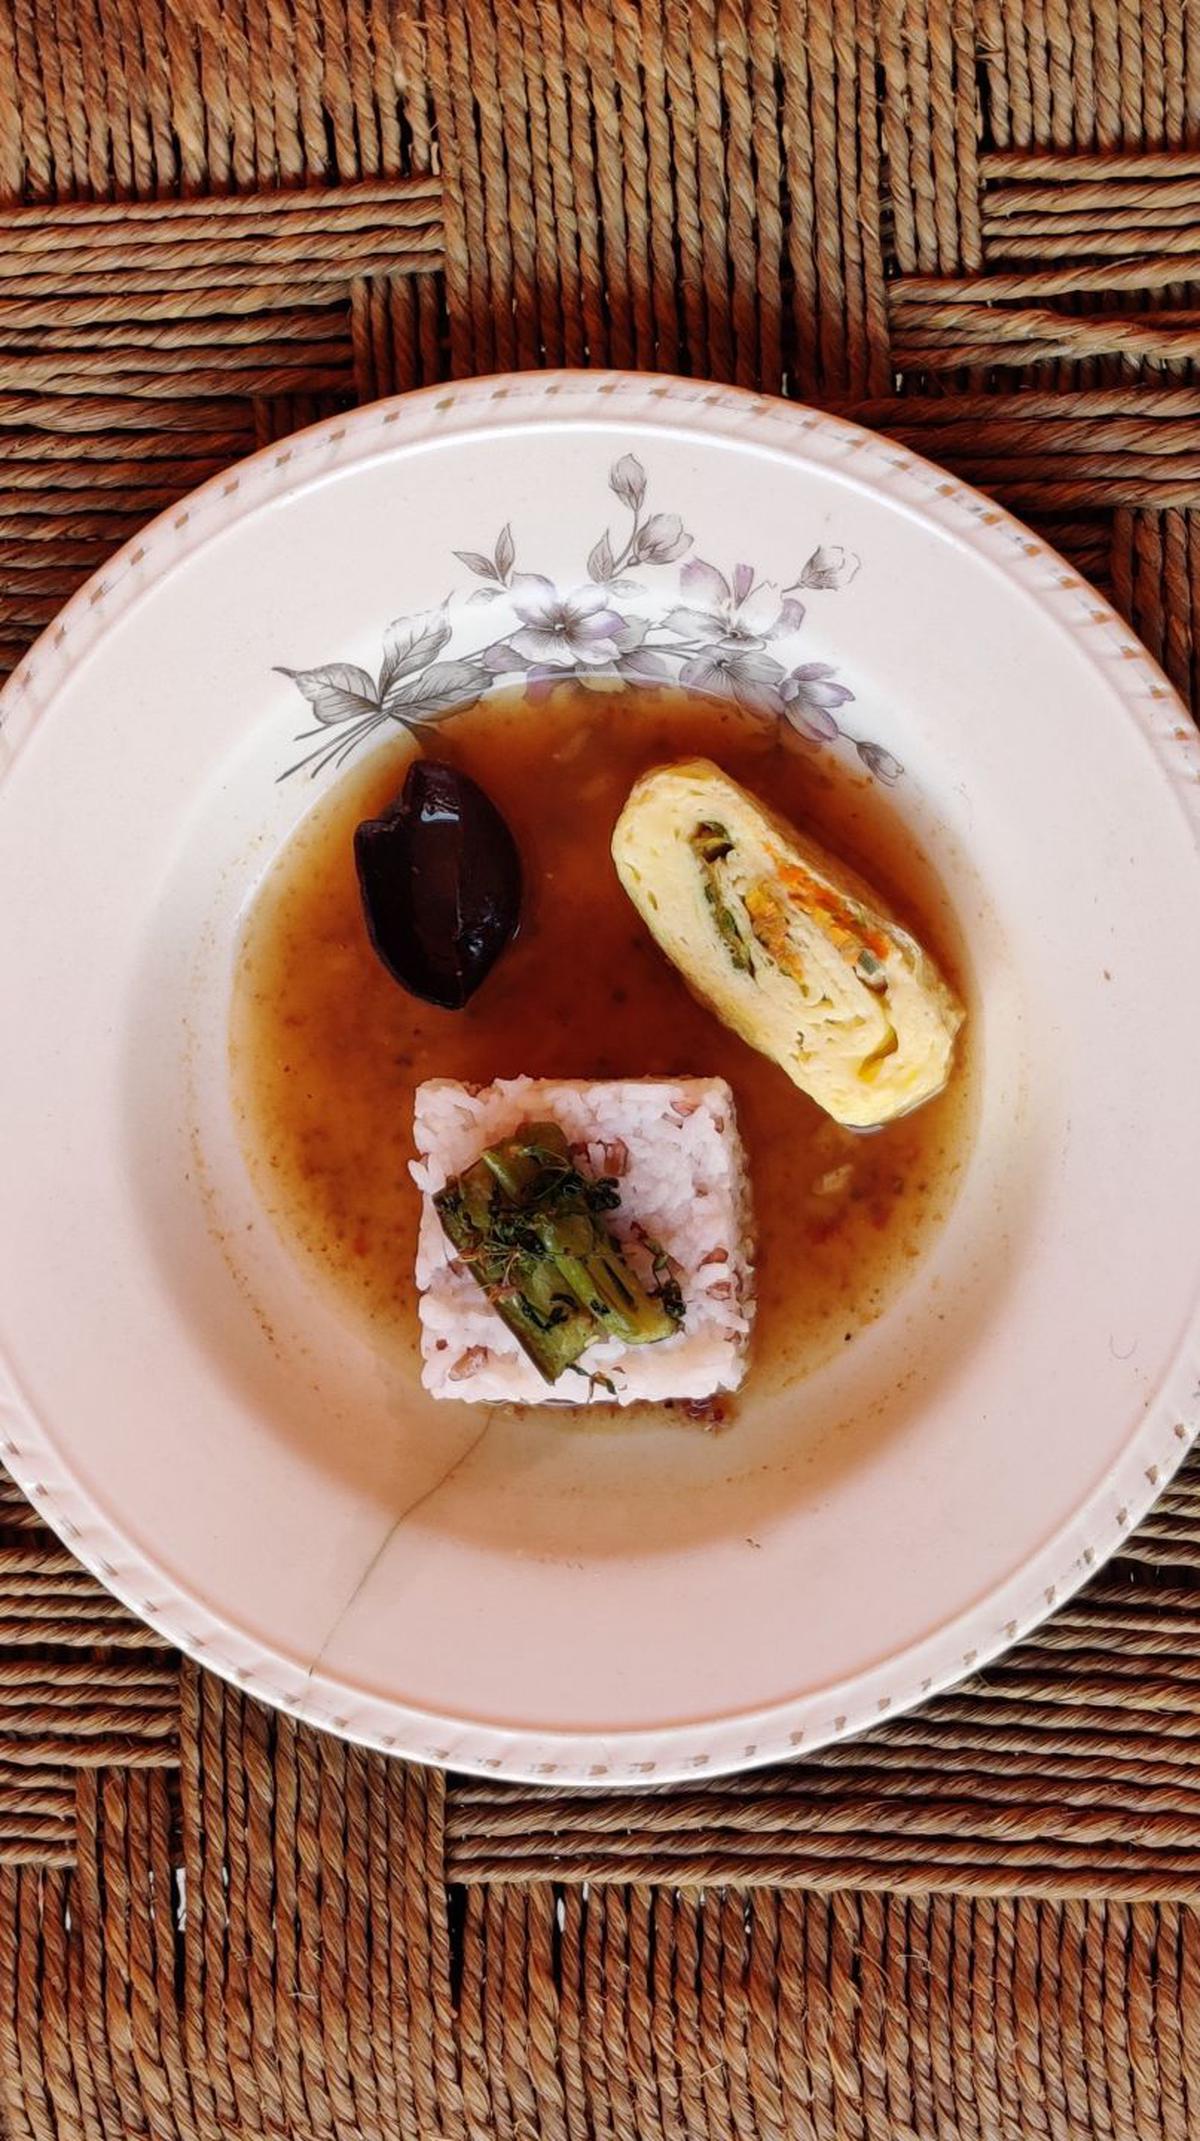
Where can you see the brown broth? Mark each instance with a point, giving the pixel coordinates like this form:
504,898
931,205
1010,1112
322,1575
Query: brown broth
326,1049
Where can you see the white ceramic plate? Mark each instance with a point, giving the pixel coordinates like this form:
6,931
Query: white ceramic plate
204,1429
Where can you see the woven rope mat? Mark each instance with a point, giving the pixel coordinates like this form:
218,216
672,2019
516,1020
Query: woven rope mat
975,223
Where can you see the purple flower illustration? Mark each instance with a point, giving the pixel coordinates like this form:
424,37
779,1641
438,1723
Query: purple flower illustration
829,566
707,632
742,612
809,695
750,678
662,540
562,631
881,763
627,478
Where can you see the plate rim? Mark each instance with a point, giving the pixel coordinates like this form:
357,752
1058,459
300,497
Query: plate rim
1157,1443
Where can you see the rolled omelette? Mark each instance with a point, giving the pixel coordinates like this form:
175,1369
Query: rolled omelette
786,945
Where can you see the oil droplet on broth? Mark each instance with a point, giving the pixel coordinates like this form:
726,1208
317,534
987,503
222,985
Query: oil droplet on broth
326,1049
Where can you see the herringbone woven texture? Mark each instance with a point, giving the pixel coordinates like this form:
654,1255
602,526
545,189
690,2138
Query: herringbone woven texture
975,223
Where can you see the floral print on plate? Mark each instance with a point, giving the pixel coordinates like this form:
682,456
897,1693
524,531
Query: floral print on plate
731,636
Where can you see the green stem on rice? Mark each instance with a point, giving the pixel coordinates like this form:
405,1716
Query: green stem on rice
525,1220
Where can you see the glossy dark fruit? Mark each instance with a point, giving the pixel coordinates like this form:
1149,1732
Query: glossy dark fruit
440,879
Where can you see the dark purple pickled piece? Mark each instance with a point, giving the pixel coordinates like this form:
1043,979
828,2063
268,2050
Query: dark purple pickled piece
440,879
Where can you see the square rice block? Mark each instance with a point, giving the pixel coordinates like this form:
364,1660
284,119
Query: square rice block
674,1147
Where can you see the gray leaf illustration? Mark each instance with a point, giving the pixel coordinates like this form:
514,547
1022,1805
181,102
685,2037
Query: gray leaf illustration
643,666
475,562
336,691
600,560
410,643
628,480
505,551
438,690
